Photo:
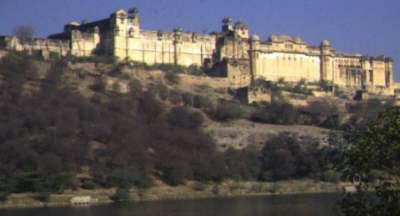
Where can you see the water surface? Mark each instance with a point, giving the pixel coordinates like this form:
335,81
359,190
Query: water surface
280,205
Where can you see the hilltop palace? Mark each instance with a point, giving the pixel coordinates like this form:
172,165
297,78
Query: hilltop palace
242,57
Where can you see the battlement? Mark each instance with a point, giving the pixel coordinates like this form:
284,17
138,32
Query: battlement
246,57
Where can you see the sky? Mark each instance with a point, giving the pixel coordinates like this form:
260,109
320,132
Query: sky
363,26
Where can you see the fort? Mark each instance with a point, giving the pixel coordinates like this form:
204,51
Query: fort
232,52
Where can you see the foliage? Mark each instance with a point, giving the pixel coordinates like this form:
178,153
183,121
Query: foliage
242,164
41,182
326,86
282,85
203,102
376,147
42,196
24,32
106,59
89,184
184,117
227,111
172,77
98,86
288,155
121,195
300,88
276,113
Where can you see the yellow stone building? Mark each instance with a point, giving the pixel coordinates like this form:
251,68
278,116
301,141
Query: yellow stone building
241,57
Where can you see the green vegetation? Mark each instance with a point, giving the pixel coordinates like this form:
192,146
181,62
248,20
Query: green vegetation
375,147
121,195
153,132
282,85
98,86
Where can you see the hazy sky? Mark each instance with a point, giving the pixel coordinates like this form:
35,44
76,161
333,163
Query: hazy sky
365,26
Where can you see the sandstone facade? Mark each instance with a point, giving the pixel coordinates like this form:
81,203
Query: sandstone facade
232,51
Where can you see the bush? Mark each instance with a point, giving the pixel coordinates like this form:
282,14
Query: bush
331,176
135,86
187,99
242,164
43,197
301,88
126,180
172,77
175,97
4,196
89,185
276,113
195,70
121,195
54,55
200,101
225,111
199,186
98,86
185,118
288,155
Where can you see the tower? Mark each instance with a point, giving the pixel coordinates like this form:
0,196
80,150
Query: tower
241,30
125,28
326,61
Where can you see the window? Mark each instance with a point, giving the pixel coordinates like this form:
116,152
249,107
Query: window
289,46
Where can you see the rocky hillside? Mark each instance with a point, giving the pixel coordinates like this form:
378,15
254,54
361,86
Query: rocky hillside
89,123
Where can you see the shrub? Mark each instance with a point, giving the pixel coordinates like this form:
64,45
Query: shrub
4,196
326,86
225,111
121,179
276,113
89,184
5,190
175,97
187,99
288,155
200,101
185,118
151,107
170,68
121,195
195,70
126,180
242,164
98,86
323,113
135,86
301,88
43,197
54,55
199,186
331,176
172,77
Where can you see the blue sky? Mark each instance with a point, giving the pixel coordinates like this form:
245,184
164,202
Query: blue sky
364,26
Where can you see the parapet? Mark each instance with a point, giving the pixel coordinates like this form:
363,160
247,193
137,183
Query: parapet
285,38
325,43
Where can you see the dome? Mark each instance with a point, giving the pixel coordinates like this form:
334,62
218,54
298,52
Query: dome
298,40
73,23
325,43
272,38
255,37
240,25
120,12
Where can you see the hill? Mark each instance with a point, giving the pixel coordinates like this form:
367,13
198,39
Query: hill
69,125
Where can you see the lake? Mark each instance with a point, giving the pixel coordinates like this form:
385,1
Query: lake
279,205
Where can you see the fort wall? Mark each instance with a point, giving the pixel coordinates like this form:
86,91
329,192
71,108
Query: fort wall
243,58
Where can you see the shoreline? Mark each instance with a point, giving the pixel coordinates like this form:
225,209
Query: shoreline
191,190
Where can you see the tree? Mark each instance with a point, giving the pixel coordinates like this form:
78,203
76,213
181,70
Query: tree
24,32
375,147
